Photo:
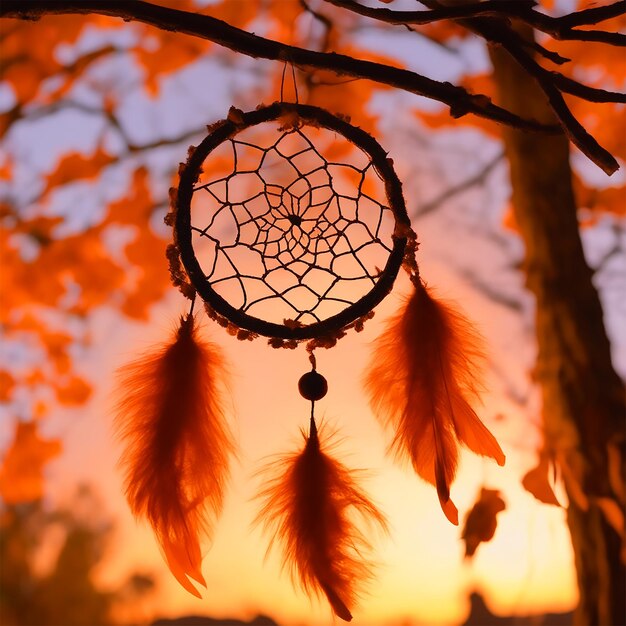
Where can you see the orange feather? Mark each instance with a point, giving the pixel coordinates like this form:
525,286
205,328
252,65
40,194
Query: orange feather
309,507
177,446
425,369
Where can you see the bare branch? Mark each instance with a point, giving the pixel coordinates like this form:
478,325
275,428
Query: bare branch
325,21
594,15
500,32
458,99
461,102
476,179
522,10
497,8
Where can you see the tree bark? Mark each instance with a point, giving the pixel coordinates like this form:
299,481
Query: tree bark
583,397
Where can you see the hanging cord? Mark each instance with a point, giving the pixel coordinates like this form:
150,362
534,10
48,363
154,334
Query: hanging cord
312,386
193,302
293,78
312,424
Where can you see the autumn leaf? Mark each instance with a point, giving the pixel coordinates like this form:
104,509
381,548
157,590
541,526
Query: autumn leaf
7,382
21,472
136,206
76,166
537,483
168,55
6,170
147,252
284,14
73,392
481,523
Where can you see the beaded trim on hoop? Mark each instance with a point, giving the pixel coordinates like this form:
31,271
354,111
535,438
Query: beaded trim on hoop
311,231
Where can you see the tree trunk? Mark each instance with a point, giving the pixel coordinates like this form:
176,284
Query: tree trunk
583,397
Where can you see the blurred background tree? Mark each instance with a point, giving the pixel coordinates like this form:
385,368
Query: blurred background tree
60,588
85,175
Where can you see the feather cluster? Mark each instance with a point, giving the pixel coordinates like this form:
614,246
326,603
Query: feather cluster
310,506
425,371
177,446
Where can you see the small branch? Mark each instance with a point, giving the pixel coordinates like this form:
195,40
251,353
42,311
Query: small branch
557,27
597,36
490,291
594,15
500,33
497,8
555,57
592,94
322,19
549,83
455,190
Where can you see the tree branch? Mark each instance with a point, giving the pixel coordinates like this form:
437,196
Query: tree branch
458,99
461,102
473,180
499,32
557,27
594,15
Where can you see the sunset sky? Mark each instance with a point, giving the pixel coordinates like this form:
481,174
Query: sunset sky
421,577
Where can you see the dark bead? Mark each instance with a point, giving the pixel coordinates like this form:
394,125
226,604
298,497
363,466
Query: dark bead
312,386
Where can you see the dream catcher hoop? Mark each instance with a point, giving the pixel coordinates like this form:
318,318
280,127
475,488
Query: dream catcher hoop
290,223
296,219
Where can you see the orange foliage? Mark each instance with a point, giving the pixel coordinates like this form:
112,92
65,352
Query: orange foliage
81,259
74,392
607,200
154,278
75,166
146,252
21,472
26,50
606,122
6,171
7,382
136,207
240,14
606,62
284,15
172,53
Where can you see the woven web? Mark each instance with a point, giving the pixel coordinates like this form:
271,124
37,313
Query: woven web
286,234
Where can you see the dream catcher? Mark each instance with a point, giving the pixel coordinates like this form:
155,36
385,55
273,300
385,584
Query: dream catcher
290,223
